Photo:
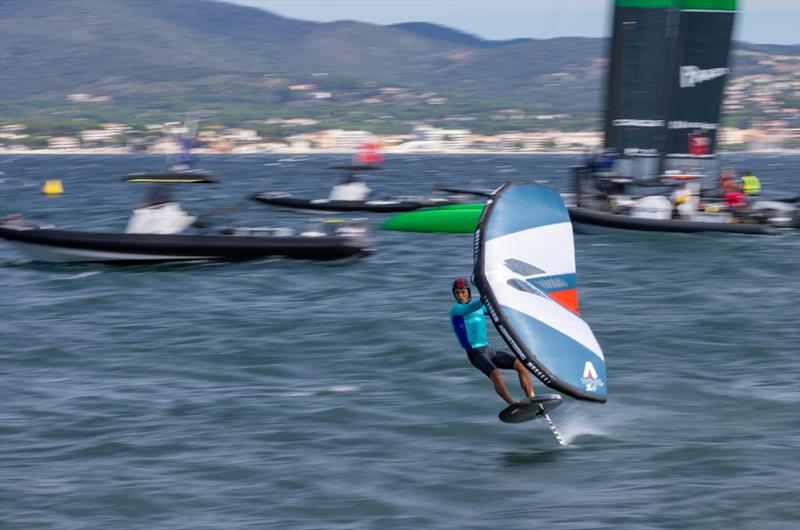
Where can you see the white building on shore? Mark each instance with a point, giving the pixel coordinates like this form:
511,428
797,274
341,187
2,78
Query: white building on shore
63,142
442,138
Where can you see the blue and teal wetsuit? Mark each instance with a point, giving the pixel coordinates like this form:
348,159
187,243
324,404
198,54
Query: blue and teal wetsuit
469,325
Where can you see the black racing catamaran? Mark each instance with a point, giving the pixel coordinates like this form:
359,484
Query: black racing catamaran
668,69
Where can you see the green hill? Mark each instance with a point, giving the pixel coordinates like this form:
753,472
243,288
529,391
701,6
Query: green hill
157,59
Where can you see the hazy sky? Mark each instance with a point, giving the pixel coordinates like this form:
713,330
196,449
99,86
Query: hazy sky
758,21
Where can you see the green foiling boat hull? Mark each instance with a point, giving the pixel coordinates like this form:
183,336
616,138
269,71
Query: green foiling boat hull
455,219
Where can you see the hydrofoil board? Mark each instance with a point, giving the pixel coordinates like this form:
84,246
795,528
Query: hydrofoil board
530,409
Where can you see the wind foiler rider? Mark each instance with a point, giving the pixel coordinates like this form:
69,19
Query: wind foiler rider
469,325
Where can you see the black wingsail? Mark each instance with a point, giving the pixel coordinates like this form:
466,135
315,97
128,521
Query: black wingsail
636,104
699,77
669,64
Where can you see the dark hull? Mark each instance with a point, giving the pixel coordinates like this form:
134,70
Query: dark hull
480,192
66,245
624,222
377,206
172,177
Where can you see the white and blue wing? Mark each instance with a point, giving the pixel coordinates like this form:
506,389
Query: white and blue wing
525,272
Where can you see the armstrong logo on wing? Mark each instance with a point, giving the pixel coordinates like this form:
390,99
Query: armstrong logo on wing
692,75
590,379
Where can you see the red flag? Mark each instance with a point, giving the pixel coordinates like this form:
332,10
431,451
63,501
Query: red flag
368,154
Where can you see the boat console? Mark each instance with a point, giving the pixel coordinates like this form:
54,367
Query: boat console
164,218
350,191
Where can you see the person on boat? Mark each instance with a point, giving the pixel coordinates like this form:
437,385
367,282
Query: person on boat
469,324
736,201
727,181
680,198
751,186
728,184
184,161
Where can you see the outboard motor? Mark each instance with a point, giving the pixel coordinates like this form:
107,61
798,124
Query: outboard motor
776,213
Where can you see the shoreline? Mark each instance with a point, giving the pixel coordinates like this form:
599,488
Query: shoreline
122,151
113,151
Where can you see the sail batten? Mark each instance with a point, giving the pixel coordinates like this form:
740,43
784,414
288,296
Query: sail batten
525,272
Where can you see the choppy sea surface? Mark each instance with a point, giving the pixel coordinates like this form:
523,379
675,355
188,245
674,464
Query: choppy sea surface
297,395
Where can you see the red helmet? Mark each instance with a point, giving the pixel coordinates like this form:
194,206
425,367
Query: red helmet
461,283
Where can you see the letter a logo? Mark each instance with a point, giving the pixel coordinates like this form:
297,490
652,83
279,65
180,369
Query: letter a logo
588,371
590,379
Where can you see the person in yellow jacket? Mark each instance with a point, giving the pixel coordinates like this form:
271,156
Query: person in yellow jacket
751,186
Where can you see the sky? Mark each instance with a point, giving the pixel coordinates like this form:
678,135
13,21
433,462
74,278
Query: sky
758,21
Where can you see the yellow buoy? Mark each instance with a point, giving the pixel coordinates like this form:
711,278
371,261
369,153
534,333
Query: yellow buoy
53,187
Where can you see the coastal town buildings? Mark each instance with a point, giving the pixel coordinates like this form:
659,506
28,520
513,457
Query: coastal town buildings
63,142
162,139
760,112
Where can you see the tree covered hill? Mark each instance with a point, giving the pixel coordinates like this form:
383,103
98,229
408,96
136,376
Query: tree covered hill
156,58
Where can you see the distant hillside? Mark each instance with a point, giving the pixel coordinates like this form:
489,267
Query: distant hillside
433,31
156,58
55,45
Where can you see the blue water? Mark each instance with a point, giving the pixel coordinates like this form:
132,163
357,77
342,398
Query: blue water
298,395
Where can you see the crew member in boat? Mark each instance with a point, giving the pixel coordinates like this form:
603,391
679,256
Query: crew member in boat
731,190
751,186
727,181
681,197
469,324
735,199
